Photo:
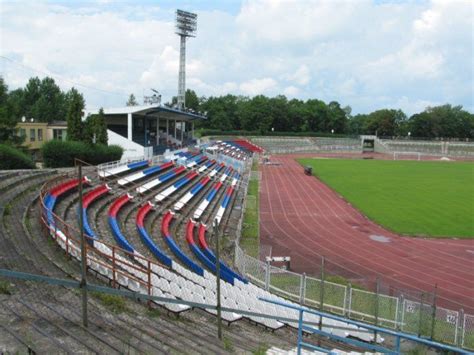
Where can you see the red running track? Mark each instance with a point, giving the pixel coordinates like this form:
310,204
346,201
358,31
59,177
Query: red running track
303,218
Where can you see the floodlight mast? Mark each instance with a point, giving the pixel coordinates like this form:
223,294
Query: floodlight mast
186,26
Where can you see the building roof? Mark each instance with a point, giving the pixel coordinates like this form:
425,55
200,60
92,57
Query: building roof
153,110
58,123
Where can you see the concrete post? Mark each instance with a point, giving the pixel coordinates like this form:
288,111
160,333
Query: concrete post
158,131
129,126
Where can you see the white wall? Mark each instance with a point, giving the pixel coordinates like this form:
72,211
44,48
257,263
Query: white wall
130,148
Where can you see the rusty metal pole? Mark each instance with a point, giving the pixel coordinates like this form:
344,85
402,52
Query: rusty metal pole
83,253
218,280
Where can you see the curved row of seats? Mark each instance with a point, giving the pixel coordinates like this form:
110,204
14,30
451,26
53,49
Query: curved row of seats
209,253
246,145
147,240
165,232
87,200
114,226
51,197
190,194
187,285
207,200
145,173
176,186
123,168
225,273
125,273
161,179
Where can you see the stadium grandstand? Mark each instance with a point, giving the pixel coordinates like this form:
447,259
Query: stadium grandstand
151,227
149,130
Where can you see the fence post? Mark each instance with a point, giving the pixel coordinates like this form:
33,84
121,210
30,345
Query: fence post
300,332
321,297
376,308
83,253
149,282
302,288
433,313
114,283
401,306
349,300
267,275
420,320
218,280
461,331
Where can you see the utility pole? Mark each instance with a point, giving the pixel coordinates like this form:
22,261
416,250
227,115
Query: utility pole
218,281
83,253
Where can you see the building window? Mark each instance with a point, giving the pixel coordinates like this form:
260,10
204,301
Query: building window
58,134
32,135
40,134
22,132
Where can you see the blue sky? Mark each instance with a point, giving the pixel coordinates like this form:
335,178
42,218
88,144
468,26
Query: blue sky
365,54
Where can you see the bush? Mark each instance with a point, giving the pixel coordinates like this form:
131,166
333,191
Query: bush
12,158
62,153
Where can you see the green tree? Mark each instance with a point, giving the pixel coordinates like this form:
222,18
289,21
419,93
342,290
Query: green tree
132,101
102,136
357,124
191,100
50,105
95,129
74,115
384,122
279,113
337,118
8,119
442,121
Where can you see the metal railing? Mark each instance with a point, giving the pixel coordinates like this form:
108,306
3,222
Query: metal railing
398,335
402,313
306,326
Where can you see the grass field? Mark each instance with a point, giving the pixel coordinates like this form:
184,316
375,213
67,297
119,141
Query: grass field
409,197
250,235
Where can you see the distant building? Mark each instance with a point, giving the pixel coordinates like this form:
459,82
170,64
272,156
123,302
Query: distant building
36,133
148,130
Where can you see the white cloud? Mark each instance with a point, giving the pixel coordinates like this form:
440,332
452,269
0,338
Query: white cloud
291,91
301,76
365,54
258,86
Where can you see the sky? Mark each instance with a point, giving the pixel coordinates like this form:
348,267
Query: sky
366,54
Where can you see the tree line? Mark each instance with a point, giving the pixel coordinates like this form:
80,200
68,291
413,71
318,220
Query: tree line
267,114
43,101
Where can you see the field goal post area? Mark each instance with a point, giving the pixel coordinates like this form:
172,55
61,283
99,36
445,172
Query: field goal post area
407,155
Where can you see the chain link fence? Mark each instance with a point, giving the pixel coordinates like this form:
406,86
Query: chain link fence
415,314
467,329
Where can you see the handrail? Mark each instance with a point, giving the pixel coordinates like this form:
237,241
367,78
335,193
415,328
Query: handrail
397,334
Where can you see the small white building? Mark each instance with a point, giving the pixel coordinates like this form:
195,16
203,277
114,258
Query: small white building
148,130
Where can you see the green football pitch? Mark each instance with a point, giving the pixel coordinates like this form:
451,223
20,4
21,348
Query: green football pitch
416,198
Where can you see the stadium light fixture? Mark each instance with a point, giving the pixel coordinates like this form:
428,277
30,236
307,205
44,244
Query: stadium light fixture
186,26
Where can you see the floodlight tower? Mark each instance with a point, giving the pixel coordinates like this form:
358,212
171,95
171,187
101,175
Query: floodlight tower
186,26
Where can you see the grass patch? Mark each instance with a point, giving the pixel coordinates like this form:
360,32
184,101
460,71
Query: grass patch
408,197
154,313
5,288
228,346
7,210
116,304
261,350
250,239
